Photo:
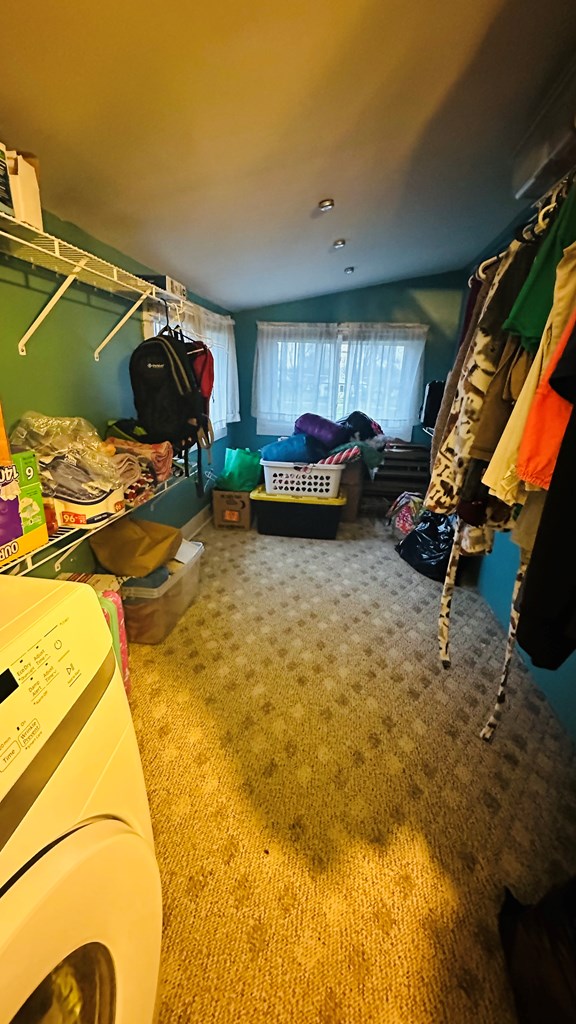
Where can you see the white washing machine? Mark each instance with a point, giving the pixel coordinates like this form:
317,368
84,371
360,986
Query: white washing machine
80,902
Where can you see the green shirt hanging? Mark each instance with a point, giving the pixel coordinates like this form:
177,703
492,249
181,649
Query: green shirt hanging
534,302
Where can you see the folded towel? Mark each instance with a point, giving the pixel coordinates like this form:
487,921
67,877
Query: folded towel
159,456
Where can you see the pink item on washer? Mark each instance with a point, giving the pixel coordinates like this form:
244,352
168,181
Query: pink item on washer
114,596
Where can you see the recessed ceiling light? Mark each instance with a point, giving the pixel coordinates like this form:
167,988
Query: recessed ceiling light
339,243
349,270
326,204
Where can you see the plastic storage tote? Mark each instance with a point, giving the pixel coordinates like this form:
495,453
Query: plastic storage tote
288,516
151,614
316,480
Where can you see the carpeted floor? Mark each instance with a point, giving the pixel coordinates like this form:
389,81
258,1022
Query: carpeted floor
333,836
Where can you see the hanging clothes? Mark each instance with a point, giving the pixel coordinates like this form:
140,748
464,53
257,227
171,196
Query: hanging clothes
501,397
526,311
547,627
452,471
501,477
479,293
489,729
479,367
527,523
546,423
530,311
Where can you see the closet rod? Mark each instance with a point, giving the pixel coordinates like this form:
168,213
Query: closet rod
566,179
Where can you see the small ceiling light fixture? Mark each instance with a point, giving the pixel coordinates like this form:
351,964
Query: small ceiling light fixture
349,270
326,204
339,243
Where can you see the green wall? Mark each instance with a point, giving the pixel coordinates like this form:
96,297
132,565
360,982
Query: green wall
59,376
436,301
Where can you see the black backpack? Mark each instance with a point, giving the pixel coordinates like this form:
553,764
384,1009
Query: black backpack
168,401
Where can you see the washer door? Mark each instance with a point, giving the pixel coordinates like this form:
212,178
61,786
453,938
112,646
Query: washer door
80,931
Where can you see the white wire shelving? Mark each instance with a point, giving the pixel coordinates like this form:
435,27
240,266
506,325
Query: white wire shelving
65,541
23,242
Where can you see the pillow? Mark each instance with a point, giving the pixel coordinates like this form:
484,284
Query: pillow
329,433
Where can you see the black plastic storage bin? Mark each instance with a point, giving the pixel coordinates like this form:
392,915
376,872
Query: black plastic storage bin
285,516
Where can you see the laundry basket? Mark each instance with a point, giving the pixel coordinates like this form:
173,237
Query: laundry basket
315,480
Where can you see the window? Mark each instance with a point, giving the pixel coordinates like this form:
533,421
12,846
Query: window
333,369
218,333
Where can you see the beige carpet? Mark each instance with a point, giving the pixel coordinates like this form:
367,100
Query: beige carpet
332,834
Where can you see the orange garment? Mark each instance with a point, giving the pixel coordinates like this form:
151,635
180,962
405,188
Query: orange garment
546,423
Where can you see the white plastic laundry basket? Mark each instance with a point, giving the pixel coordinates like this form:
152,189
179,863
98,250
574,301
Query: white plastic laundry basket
319,481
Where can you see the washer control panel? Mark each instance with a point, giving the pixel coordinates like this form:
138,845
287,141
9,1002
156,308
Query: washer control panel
44,669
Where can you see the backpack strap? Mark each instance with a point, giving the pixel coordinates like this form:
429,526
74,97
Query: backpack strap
206,435
200,479
179,373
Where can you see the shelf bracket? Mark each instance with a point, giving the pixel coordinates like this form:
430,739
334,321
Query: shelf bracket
72,276
121,323
69,551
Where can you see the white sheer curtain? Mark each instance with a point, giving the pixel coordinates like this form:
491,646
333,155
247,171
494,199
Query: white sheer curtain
218,333
383,373
295,370
333,369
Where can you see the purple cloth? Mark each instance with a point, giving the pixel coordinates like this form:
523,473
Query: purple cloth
329,433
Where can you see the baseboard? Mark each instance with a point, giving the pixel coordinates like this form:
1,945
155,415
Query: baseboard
194,525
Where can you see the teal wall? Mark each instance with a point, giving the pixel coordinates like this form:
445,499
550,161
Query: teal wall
59,376
436,301
495,583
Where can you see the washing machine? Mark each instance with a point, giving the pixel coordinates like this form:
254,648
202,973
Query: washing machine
80,900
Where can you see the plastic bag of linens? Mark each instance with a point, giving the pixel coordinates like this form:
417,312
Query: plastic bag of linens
73,460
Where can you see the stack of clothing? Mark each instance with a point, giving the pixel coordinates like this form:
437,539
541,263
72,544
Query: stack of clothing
317,440
141,467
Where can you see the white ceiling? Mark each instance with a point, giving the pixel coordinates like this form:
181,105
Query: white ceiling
199,138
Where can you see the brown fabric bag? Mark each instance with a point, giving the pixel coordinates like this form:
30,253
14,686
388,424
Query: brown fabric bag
135,547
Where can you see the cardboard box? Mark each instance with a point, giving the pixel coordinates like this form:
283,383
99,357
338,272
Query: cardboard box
167,284
6,203
351,486
24,190
27,467
22,520
232,508
98,581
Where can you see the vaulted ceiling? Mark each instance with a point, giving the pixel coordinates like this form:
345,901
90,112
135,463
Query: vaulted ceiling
199,138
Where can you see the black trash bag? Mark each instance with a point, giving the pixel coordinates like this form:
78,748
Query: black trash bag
427,547
539,943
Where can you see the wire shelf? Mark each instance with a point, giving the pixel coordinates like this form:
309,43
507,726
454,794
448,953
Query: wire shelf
67,538
26,243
